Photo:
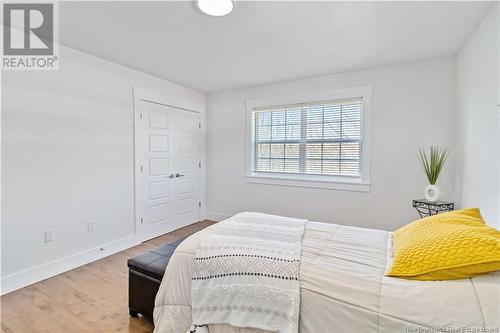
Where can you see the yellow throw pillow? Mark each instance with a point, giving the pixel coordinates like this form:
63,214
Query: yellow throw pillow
446,246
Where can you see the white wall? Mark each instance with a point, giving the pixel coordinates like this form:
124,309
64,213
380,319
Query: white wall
67,157
412,107
477,124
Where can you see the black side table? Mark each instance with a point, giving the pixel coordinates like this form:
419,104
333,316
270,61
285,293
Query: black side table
428,208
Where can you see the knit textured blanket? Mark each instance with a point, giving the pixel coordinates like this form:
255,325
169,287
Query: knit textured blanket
246,274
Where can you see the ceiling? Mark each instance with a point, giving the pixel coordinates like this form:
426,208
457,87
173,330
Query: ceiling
264,42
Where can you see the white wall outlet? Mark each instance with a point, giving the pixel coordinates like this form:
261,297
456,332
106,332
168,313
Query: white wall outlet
50,235
91,225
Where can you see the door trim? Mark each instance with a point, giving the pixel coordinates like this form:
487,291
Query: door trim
170,106
168,100
140,95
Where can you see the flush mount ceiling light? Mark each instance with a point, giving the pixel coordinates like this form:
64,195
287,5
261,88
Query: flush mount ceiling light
216,7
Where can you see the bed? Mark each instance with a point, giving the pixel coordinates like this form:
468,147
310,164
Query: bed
343,289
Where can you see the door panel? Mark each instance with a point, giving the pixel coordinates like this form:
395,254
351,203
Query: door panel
158,143
157,119
187,150
187,207
159,213
158,166
158,190
187,188
168,143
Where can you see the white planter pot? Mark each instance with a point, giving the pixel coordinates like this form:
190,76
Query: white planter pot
431,193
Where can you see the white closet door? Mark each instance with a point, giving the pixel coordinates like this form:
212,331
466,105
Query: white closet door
167,185
187,167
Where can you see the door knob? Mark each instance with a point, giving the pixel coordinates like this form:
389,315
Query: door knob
179,175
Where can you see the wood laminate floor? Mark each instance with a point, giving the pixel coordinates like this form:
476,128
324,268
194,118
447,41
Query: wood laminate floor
89,299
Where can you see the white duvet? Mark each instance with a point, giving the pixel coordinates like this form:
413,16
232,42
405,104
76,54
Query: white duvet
343,289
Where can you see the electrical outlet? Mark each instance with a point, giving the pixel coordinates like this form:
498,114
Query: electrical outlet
50,235
91,225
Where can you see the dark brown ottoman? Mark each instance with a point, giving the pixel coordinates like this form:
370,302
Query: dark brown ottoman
145,275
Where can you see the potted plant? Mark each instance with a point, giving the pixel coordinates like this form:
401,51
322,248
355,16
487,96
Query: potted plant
432,165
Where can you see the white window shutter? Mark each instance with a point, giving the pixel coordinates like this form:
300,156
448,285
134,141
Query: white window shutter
309,139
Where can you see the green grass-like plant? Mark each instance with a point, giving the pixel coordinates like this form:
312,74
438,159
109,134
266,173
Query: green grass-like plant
434,162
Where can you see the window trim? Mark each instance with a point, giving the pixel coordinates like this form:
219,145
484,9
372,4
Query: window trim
315,181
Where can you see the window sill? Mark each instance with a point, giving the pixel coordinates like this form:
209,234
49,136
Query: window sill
312,182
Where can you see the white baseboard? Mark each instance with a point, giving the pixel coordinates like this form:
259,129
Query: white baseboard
41,272
215,216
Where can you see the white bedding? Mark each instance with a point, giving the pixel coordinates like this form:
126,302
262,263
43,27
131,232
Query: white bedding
343,289
246,273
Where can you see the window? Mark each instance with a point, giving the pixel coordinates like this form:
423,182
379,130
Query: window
319,141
